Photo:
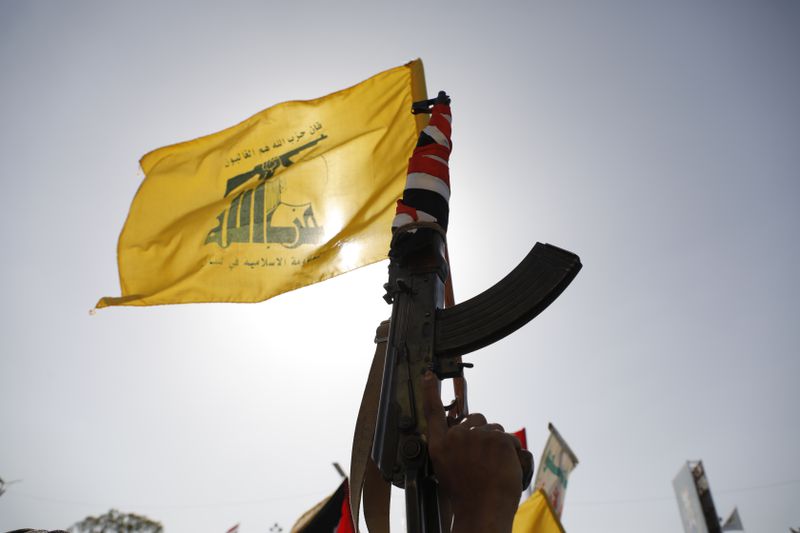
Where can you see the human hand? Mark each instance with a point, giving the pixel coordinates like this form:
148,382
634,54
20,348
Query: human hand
477,464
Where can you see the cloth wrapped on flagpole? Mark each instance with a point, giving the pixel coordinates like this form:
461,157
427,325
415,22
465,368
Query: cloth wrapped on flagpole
426,197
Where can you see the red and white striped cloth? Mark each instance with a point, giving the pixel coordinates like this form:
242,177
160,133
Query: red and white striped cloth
426,197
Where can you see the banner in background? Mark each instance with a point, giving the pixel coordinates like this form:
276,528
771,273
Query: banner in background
698,513
555,465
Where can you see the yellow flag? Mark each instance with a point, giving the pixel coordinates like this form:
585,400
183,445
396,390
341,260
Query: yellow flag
296,194
535,515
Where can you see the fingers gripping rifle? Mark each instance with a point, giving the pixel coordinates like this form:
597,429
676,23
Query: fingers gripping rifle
424,335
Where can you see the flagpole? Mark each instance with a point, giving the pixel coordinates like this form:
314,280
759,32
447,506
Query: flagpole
338,468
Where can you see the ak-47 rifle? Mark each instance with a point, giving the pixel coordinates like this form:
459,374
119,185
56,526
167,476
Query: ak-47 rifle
424,335
266,169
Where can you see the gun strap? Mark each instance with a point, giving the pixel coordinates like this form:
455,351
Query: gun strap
364,475
377,499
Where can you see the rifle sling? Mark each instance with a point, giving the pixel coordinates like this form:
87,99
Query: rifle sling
364,475
377,498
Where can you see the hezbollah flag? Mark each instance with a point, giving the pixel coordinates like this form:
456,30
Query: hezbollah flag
535,515
296,194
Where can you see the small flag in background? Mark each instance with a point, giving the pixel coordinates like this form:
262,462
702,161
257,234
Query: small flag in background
733,522
331,515
535,515
523,438
296,194
556,463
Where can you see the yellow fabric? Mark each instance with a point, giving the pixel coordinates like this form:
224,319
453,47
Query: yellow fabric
535,515
296,194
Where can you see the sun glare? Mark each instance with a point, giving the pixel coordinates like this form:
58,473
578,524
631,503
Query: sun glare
333,225
349,255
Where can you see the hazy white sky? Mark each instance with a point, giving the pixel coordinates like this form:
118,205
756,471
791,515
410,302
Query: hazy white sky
658,140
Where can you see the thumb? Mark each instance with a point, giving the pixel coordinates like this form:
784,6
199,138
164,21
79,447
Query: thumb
433,408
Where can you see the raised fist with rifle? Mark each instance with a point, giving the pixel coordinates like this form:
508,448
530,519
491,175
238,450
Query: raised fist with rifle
476,466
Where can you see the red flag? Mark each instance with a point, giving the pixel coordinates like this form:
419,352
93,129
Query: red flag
523,439
346,521
330,515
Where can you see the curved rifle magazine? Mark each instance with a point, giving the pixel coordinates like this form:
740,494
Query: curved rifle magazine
508,305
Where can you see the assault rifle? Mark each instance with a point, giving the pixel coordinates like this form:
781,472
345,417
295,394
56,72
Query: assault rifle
266,170
423,335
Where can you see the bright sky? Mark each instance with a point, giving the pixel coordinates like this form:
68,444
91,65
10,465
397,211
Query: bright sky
660,141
